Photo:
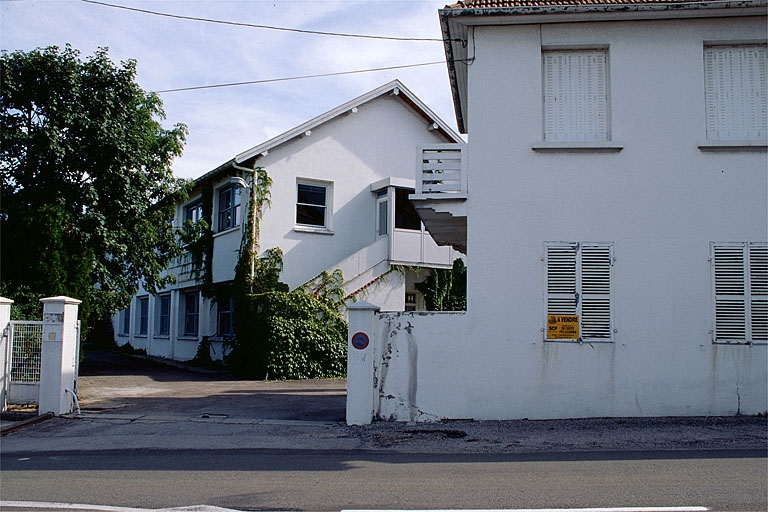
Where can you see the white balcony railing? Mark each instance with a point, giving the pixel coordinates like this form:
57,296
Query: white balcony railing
442,171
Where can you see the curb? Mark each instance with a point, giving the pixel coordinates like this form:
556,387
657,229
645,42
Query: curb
26,423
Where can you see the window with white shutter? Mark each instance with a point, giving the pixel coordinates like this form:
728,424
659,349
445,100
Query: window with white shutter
736,93
579,283
575,95
740,282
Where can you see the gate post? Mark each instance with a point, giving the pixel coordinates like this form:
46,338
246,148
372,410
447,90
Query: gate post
361,342
5,344
59,357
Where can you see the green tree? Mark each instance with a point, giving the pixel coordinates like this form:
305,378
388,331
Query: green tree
87,188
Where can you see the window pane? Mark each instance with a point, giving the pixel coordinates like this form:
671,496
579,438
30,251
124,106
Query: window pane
310,215
381,225
311,194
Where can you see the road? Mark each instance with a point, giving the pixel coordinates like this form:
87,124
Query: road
335,480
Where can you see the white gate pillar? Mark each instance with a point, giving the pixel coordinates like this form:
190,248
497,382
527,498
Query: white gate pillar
360,354
5,345
59,356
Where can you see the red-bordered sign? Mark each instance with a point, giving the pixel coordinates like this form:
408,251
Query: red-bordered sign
360,340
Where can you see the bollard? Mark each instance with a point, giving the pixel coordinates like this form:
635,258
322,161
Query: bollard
361,340
5,344
59,356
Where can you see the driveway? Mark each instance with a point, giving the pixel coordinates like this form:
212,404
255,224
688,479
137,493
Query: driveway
121,384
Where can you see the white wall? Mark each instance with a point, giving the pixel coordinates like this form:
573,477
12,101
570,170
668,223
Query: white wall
352,151
660,200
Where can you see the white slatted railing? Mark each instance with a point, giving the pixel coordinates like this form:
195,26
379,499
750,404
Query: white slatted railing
441,170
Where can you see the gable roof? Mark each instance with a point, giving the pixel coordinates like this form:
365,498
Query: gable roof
456,20
394,87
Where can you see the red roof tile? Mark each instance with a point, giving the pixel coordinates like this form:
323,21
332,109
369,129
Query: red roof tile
483,4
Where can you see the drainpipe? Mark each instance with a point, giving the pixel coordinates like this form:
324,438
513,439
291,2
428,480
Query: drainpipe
252,220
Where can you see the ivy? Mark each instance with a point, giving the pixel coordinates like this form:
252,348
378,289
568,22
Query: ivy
446,289
288,335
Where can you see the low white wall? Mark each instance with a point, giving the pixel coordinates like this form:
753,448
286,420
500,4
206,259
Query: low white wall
418,374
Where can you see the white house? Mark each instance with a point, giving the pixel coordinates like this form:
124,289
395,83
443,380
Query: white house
339,200
614,210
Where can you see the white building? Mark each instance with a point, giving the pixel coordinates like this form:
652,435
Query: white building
339,200
614,210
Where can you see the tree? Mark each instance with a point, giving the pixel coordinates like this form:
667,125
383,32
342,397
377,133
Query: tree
88,194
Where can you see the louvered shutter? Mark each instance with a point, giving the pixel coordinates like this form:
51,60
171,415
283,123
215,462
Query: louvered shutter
575,95
736,94
596,263
561,279
758,292
579,282
730,305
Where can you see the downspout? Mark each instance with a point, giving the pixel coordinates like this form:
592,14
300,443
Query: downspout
252,221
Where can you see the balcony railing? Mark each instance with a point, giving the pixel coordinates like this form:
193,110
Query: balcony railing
442,171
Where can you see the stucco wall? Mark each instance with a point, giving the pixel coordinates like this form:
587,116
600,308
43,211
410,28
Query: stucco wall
661,201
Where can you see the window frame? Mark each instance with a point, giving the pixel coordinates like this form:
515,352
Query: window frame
163,323
739,277
566,127
327,207
186,315
731,119
228,207
142,319
590,285
125,321
229,301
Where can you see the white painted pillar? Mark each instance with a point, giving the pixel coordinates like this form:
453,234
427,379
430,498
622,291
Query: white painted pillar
5,346
360,353
59,357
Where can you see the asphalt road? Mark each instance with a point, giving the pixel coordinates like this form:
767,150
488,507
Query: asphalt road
320,480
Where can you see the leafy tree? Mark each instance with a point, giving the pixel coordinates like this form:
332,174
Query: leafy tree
87,189
446,289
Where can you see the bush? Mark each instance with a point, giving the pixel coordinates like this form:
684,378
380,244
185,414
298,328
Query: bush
284,335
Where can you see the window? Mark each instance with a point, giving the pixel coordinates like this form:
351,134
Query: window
579,284
143,320
193,212
229,204
125,321
575,95
312,201
163,314
226,325
740,281
735,92
382,214
191,313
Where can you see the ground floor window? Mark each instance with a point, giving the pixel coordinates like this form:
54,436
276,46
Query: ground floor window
191,318
226,324
143,319
125,321
740,290
579,291
163,314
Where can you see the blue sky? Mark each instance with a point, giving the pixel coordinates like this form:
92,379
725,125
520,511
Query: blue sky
173,53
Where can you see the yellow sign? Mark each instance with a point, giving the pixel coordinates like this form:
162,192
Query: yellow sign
562,327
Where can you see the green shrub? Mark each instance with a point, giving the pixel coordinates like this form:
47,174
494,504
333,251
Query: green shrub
288,335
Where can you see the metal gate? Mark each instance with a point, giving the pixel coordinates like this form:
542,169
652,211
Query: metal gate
25,348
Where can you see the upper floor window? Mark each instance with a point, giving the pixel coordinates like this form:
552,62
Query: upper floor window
405,214
313,204
579,290
740,281
229,205
193,212
736,92
575,95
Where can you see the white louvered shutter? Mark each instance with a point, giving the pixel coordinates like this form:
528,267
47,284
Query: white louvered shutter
561,279
758,292
596,265
575,96
736,94
579,282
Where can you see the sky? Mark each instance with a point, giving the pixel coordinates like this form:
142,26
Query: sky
175,53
